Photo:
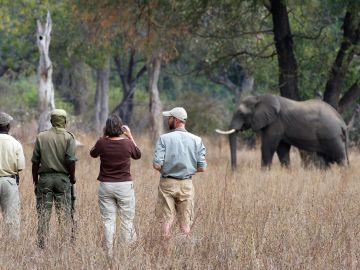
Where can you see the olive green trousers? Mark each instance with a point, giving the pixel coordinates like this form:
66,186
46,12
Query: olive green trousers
53,188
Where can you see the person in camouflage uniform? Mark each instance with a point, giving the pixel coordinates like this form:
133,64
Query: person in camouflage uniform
53,173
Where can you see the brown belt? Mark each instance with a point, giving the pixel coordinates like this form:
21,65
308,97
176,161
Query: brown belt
177,178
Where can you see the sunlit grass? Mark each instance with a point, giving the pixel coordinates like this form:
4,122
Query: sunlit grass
250,219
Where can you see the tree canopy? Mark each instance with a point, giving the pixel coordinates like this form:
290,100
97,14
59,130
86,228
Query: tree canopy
298,50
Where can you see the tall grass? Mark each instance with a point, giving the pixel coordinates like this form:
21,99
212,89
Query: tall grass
250,219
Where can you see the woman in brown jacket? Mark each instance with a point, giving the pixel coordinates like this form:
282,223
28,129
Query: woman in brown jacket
116,189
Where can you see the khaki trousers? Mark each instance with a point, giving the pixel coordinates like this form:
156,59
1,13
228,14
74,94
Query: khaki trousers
113,197
10,205
175,197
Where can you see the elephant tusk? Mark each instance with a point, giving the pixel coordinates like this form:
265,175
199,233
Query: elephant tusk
231,131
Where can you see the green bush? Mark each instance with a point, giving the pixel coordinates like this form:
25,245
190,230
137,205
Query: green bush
19,98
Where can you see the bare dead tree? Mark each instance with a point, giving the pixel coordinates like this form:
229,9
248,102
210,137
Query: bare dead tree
45,69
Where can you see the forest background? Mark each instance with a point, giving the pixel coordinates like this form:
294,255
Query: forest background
137,58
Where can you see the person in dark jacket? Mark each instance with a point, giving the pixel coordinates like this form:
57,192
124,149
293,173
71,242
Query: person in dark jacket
53,171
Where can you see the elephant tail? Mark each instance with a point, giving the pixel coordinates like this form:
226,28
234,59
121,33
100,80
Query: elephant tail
346,139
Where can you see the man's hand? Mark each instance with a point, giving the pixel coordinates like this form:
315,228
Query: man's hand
35,169
71,170
73,180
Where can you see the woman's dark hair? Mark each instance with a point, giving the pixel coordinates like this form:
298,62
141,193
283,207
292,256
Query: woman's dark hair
113,126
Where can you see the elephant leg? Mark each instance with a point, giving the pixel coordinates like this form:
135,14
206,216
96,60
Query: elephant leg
334,151
323,161
340,154
283,152
268,148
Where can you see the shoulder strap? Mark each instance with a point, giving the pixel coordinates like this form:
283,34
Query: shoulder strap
72,135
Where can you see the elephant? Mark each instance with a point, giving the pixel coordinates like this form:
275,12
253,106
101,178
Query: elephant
310,125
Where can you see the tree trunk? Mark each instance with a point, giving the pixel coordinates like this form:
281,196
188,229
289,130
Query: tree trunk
125,108
247,85
350,97
156,119
129,82
102,96
223,79
351,37
288,77
46,101
351,122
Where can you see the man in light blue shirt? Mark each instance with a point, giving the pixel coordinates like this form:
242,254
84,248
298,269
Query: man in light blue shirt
178,156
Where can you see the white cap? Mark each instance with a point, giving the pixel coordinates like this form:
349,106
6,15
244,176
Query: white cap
5,118
177,112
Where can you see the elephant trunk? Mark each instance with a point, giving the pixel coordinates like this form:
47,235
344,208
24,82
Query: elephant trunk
237,124
233,147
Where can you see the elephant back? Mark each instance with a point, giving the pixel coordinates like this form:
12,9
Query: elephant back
327,109
329,119
310,119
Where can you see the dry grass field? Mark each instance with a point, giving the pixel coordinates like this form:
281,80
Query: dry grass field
251,219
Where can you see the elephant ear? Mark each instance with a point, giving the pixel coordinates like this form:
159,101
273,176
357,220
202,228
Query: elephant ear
266,111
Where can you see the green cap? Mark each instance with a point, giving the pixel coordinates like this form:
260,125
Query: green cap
5,119
58,112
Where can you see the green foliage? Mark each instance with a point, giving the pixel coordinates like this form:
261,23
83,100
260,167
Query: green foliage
26,91
115,95
115,92
62,104
317,36
18,49
197,37
21,96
